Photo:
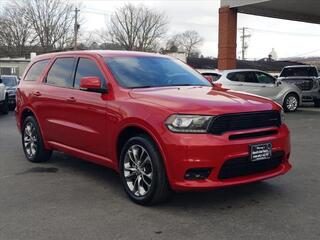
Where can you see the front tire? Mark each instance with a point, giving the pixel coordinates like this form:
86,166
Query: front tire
317,103
5,106
32,142
291,102
142,171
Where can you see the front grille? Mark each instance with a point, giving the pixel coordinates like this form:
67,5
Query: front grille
253,135
244,121
238,167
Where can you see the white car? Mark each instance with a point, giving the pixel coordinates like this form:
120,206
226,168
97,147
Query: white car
4,105
259,83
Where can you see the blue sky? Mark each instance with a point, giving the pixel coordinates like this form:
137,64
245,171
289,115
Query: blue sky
288,38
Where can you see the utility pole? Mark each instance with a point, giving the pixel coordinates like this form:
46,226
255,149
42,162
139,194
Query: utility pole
244,46
76,28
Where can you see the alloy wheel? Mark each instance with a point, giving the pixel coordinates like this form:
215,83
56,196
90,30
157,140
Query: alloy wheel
292,103
138,170
30,140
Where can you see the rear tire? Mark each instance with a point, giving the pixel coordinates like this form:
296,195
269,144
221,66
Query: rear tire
142,171
5,106
291,102
32,142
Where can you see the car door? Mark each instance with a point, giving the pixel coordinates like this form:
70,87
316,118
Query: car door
241,81
54,102
88,110
266,85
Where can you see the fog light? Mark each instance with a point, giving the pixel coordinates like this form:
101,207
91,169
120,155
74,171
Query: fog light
197,173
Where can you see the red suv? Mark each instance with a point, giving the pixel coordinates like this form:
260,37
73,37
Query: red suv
153,119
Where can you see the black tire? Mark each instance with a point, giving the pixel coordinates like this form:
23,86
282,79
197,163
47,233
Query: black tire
5,106
12,107
159,189
288,105
40,154
317,103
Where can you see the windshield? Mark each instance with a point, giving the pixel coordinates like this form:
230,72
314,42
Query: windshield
142,72
299,72
9,81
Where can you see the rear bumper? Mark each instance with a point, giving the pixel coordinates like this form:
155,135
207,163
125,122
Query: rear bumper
187,151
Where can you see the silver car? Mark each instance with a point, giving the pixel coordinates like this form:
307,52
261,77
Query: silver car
259,83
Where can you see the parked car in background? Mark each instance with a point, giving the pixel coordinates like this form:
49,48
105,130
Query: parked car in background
211,73
11,83
152,118
4,105
259,83
306,77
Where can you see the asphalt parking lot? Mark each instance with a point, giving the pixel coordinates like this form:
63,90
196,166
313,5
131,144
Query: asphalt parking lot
67,198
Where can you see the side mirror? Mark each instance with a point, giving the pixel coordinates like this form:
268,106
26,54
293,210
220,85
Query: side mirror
209,78
91,84
217,85
276,76
278,83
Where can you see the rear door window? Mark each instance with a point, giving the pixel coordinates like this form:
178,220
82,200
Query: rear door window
61,72
36,70
87,68
246,77
264,78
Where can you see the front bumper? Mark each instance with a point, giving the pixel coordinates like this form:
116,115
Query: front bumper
309,96
12,100
192,151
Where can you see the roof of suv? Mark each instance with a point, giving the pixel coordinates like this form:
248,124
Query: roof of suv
103,53
228,71
299,66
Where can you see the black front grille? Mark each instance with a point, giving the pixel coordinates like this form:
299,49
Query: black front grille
244,121
238,167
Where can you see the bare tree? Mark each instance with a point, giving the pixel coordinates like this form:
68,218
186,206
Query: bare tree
16,31
137,27
52,21
188,41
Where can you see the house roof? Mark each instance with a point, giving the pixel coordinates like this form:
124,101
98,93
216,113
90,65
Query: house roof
268,66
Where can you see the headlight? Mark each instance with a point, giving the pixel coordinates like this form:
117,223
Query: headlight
188,123
11,93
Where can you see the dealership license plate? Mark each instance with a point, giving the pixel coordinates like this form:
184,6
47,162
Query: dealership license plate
259,152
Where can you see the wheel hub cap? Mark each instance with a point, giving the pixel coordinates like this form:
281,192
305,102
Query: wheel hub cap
138,170
30,140
292,103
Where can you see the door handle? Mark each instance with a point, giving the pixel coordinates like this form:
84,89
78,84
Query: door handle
36,94
71,99
263,86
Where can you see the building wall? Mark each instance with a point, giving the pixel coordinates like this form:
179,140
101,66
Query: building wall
13,67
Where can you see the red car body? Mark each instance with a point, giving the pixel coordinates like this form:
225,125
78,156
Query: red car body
90,125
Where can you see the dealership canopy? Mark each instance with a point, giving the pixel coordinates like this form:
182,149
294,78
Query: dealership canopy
297,10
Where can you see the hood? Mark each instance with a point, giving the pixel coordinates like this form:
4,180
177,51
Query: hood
11,88
203,100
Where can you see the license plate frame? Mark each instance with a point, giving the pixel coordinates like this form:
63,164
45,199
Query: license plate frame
260,152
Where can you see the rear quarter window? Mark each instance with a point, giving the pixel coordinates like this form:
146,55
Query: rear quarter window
36,70
60,73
